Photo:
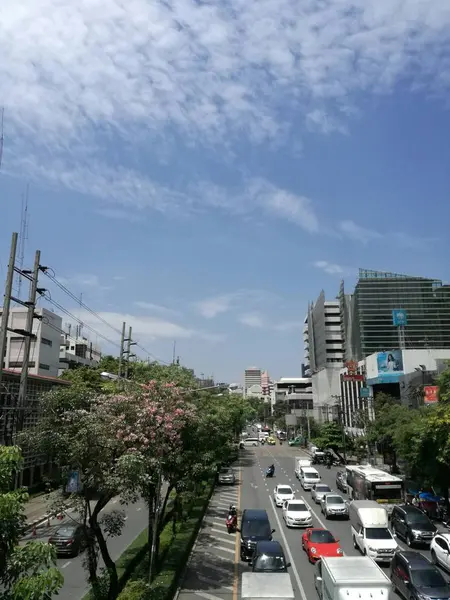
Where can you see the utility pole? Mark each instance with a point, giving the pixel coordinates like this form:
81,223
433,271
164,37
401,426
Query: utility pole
28,332
122,344
7,303
174,351
128,351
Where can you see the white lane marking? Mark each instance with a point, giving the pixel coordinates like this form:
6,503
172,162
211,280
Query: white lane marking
313,512
125,518
66,564
288,551
211,581
138,509
222,548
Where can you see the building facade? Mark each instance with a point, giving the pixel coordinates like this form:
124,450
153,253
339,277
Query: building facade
252,377
77,351
367,313
44,348
13,420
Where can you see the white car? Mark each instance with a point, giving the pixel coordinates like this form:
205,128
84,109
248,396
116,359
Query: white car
440,550
281,493
296,514
318,492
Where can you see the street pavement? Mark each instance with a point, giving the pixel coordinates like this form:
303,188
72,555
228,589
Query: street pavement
75,585
215,569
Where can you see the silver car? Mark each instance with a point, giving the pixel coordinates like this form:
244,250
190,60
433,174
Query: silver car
333,505
226,476
318,492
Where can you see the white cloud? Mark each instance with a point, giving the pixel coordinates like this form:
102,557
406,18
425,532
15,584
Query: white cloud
289,326
83,281
328,267
153,307
357,232
211,307
252,320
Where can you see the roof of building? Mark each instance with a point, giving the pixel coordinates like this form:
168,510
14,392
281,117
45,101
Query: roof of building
54,380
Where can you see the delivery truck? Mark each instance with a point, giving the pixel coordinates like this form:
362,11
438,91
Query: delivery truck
267,586
350,578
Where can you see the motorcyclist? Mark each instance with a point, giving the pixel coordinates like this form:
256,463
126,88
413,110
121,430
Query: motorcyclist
271,470
232,511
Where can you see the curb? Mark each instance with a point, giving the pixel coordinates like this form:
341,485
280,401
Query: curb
41,520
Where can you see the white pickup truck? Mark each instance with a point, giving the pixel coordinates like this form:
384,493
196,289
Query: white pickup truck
267,586
350,578
300,461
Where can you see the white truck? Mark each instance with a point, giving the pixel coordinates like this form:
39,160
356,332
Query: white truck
300,461
350,578
370,530
267,586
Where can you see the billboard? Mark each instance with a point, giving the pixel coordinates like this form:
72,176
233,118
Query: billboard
399,317
390,365
430,393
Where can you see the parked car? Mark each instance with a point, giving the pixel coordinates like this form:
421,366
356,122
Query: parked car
318,491
226,476
412,525
320,542
281,493
269,558
296,514
333,505
414,577
341,481
69,539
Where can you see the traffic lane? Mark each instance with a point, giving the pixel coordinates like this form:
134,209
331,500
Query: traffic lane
257,492
75,576
339,528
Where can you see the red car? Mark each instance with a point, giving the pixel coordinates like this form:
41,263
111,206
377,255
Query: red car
320,542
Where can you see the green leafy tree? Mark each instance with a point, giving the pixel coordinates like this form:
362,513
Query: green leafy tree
390,416
27,572
443,381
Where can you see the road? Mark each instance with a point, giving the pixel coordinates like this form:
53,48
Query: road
75,585
255,491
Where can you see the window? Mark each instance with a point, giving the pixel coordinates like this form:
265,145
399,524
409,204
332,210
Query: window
44,367
46,342
19,364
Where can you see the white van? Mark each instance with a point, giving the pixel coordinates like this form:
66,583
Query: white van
370,531
308,477
251,442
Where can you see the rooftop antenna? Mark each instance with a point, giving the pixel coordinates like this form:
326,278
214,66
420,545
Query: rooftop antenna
23,236
1,135
174,351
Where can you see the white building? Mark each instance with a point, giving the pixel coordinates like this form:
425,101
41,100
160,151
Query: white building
75,351
44,348
324,353
252,377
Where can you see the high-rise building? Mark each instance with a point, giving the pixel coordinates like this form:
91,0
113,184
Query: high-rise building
252,381
366,315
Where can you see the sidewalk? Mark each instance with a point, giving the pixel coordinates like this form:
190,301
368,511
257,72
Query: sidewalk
36,508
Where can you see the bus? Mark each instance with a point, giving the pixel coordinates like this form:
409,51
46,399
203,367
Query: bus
365,482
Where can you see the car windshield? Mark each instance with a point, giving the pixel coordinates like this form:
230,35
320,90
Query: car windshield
418,520
65,531
226,471
323,488
284,490
378,533
309,475
297,507
257,529
270,563
334,500
428,578
322,537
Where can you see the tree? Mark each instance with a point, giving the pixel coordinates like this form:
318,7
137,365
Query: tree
27,572
443,382
390,416
76,431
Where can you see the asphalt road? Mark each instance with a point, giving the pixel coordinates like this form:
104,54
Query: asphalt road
75,576
257,492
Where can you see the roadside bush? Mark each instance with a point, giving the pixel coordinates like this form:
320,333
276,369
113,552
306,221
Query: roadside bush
135,590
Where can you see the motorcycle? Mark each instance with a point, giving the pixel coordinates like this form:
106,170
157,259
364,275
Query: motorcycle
231,523
270,472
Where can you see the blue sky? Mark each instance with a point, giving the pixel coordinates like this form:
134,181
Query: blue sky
202,170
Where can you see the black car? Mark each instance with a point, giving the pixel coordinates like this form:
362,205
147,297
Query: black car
269,558
255,527
412,525
69,539
341,481
416,578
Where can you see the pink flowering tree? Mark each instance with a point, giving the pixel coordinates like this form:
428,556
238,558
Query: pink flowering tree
155,439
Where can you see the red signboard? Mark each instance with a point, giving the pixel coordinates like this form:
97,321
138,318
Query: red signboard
356,377
430,394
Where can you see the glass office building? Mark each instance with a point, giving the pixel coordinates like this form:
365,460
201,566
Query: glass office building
366,315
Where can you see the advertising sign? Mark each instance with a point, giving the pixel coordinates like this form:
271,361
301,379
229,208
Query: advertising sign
352,372
399,317
73,483
364,392
390,365
430,394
